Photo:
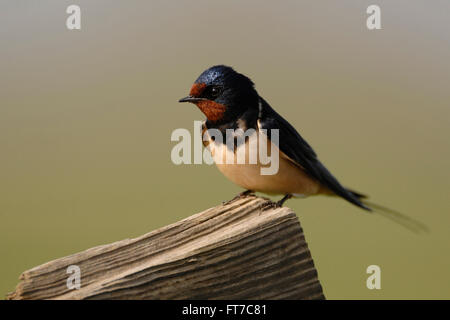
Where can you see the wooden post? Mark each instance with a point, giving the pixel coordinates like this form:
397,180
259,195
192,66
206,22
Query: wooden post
232,251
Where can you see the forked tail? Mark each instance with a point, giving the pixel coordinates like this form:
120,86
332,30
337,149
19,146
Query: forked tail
399,218
393,215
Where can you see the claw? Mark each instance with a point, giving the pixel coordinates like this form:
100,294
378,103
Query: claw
279,204
268,205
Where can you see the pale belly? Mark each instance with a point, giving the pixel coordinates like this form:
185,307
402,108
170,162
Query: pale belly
289,179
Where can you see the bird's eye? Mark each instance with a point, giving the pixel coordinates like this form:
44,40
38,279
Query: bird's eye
212,92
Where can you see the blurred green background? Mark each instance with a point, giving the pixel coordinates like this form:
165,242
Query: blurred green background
86,118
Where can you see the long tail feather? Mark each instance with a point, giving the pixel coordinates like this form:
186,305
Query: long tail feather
399,218
393,215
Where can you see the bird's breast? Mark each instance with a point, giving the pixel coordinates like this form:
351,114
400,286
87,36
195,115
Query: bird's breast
238,164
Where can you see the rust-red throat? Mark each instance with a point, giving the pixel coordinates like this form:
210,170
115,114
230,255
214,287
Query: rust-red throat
213,111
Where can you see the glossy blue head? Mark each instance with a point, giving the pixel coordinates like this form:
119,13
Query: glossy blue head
222,94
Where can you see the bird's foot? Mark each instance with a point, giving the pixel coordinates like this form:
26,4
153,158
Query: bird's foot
279,204
268,205
272,205
241,195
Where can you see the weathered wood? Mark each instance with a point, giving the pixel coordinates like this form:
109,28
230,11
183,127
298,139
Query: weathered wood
232,251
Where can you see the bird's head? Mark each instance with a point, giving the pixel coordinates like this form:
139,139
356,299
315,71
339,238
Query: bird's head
222,94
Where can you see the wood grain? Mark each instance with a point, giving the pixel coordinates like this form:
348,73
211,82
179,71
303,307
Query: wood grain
232,251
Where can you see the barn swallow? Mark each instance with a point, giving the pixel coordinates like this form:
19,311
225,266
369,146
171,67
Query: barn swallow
229,100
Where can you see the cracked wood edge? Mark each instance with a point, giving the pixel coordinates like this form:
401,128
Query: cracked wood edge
232,251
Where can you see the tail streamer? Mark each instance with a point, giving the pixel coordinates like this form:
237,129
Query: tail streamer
399,218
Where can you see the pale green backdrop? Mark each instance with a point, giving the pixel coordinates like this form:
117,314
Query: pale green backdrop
86,118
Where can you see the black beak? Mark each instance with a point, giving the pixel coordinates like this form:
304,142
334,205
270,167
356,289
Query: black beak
190,99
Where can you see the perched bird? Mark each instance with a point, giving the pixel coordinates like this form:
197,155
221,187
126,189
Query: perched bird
229,100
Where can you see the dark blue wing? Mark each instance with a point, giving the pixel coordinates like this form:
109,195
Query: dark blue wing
296,148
